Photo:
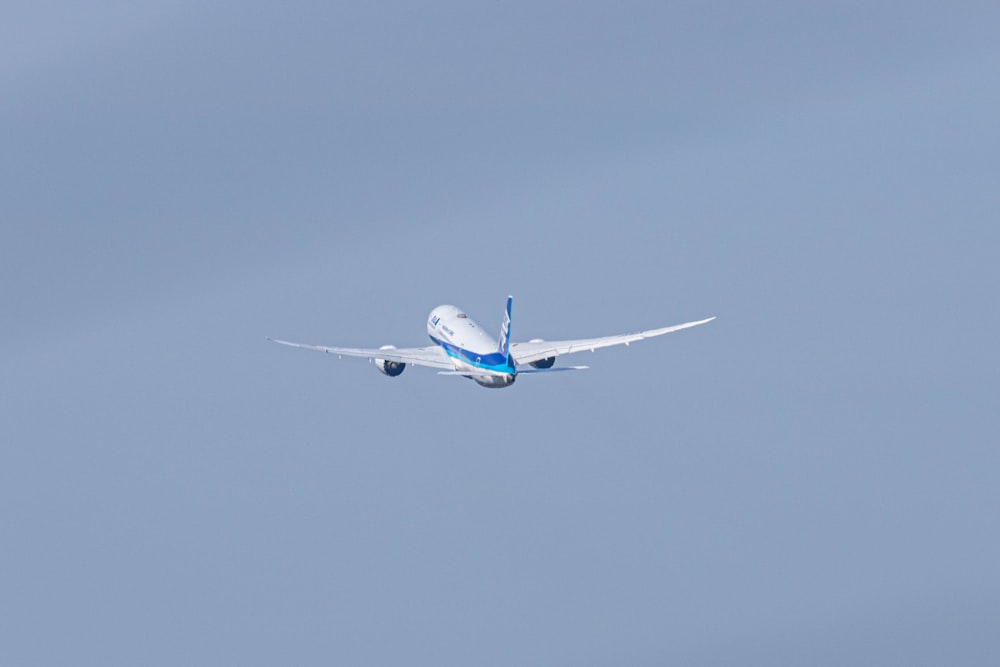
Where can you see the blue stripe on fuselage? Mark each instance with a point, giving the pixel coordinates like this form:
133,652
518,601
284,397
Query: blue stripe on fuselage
493,361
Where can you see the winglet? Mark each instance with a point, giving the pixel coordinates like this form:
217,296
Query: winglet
504,347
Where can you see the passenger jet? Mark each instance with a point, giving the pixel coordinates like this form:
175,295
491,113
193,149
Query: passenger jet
462,348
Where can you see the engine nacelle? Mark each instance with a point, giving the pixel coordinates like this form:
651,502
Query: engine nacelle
390,368
541,363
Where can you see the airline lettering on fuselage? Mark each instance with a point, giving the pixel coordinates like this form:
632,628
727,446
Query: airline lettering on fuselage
448,331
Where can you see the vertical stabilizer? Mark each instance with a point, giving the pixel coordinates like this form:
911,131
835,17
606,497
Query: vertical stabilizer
504,348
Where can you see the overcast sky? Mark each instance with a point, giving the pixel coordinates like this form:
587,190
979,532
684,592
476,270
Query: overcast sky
813,478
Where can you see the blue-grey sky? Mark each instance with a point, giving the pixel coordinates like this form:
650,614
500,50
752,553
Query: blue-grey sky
814,478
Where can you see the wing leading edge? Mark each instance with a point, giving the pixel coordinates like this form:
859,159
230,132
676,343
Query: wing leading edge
525,353
433,356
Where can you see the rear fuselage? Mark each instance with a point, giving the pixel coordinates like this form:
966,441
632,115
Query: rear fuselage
470,347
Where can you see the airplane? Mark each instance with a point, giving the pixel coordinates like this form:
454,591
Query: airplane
462,348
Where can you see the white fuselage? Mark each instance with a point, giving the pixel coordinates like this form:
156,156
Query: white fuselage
469,346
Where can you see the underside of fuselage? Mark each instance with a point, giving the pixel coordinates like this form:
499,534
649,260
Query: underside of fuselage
498,381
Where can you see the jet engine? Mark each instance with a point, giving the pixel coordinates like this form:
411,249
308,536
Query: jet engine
390,368
541,363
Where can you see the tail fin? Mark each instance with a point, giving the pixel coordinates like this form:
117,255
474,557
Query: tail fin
504,347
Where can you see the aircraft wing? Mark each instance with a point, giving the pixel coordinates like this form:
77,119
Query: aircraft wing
433,356
525,353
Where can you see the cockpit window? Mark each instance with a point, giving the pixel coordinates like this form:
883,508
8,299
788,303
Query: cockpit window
461,316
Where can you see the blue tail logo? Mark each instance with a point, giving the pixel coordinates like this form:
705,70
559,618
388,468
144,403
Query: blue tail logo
504,347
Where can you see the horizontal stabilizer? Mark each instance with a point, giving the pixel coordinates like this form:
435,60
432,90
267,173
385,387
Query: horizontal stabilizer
560,369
